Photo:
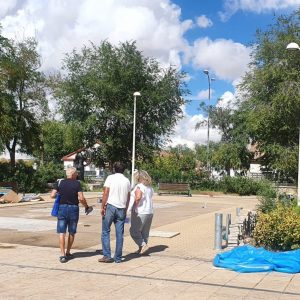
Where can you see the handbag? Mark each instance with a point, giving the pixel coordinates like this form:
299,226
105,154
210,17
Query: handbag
54,211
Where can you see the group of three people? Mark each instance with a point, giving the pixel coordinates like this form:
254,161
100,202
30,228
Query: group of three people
117,202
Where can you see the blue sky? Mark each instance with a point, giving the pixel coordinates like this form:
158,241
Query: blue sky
192,35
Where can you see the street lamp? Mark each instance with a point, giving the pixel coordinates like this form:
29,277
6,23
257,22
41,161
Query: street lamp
136,94
293,47
208,116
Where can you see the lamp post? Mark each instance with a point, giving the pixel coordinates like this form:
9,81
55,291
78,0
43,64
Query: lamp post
295,46
136,94
208,116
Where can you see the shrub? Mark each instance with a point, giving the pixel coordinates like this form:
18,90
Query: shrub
46,173
28,179
239,185
267,197
279,229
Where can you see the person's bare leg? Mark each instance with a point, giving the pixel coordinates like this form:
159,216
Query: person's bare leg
71,238
62,243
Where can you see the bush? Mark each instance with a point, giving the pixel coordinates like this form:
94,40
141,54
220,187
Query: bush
239,185
28,179
46,173
279,229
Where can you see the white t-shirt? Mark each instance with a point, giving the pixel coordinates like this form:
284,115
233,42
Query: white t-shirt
146,204
119,187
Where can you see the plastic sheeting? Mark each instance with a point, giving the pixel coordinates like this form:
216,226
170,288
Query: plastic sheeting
248,259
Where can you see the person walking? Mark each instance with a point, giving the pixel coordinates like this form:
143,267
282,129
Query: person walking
141,208
115,200
68,213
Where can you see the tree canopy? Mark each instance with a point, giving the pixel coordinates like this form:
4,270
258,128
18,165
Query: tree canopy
270,101
22,96
97,91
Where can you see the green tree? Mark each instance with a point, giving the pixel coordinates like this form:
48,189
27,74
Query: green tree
177,164
97,91
270,102
59,139
226,156
22,98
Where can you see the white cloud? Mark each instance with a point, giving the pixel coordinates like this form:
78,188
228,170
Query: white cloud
204,22
227,100
6,6
203,95
226,59
61,26
185,132
256,6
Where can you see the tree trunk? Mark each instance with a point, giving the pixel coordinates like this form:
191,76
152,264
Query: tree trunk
12,153
228,171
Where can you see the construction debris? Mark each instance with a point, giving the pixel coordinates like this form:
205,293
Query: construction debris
9,196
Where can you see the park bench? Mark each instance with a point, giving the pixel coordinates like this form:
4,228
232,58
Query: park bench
9,185
175,188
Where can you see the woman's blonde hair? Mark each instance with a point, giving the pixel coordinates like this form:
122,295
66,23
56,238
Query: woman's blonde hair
142,177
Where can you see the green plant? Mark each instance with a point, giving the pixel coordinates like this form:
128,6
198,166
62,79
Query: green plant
47,173
28,179
267,197
278,229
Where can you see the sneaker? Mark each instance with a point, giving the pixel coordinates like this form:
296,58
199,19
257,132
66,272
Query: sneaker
105,259
144,249
118,261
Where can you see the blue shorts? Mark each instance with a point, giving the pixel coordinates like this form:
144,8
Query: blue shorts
68,216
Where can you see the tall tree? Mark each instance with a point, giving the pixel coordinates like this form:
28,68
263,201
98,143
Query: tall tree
97,91
270,102
22,96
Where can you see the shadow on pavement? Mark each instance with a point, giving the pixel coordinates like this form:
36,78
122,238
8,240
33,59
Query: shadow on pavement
158,248
154,249
87,253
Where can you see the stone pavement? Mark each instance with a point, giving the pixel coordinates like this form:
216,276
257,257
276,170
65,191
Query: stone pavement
175,268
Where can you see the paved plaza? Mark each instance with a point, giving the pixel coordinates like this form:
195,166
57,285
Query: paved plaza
174,268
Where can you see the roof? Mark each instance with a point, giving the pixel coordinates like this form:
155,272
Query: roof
71,156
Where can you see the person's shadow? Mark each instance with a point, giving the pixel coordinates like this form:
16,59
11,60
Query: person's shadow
154,249
86,254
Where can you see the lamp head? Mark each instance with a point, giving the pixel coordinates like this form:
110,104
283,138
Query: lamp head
136,94
206,72
293,46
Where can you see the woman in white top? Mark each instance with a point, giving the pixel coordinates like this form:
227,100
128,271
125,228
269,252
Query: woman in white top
141,208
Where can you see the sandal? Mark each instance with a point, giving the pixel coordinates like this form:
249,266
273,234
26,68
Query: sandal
63,259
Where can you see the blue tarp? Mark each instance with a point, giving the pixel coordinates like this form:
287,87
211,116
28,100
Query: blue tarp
248,259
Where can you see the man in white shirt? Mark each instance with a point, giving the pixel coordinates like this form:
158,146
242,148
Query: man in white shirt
115,200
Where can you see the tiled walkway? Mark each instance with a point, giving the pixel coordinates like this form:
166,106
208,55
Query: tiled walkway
176,268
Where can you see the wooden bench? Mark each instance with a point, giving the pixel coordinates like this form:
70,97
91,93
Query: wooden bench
179,188
10,185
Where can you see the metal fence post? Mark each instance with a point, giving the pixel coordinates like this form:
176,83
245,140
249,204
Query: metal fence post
228,221
218,231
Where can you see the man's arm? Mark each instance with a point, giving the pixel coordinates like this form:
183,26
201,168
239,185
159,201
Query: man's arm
82,200
127,202
104,200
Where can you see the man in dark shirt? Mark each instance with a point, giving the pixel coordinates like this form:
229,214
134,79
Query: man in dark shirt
68,214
